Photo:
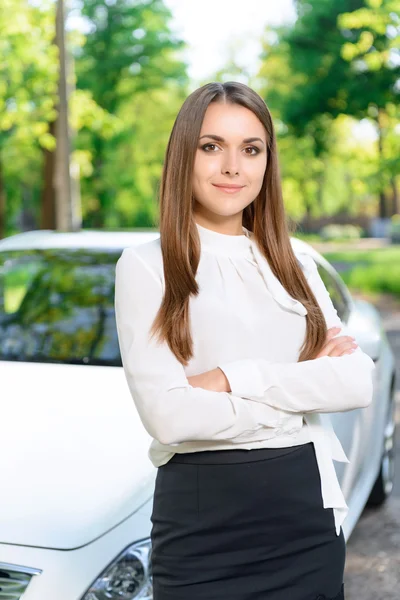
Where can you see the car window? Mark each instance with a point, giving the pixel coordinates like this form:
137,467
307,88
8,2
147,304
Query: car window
339,300
17,276
58,306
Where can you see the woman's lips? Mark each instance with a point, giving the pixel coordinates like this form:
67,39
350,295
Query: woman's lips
229,189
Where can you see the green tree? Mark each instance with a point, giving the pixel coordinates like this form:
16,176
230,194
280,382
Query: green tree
128,53
28,84
324,169
304,151
376,51
345,51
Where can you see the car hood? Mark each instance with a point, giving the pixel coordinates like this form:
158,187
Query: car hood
73,456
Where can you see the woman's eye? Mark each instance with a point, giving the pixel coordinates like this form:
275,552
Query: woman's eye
214,148
206,146
255,150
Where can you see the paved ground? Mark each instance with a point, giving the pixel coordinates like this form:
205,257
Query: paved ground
373,551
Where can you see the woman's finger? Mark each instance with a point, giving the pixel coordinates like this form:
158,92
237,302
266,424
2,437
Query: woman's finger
331,346
344,346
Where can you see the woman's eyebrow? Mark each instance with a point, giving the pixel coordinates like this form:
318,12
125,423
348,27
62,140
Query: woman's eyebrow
218,138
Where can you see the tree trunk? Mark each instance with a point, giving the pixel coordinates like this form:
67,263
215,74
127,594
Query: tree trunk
383,207
27,217
97,217
2,203
395,198
48,206
320,192
306,221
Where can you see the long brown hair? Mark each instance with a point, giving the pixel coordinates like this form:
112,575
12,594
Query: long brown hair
265,217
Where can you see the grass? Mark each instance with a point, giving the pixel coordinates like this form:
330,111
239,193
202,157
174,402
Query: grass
375,270
315,237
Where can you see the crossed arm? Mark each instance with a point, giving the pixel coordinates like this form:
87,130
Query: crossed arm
235,398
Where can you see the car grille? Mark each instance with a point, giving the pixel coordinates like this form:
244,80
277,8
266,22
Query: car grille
14,580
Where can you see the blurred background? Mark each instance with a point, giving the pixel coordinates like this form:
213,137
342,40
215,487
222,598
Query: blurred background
89,90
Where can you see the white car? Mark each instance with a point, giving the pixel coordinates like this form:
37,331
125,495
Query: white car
76,480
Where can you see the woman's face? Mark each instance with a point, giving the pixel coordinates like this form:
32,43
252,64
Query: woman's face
231,151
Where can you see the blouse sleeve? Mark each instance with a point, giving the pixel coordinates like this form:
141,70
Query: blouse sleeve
171,410
326,384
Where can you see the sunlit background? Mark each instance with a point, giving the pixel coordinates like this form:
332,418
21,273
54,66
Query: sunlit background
329,71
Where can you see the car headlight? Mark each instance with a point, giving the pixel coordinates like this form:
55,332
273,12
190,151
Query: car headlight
128,577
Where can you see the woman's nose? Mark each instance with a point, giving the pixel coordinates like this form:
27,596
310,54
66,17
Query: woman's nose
230,165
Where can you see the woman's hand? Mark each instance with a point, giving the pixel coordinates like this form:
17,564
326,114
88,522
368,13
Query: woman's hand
214,381
338,346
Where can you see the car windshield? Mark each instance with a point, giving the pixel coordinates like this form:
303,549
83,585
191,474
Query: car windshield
58,306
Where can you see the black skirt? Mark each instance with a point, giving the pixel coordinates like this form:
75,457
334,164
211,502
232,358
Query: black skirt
244,525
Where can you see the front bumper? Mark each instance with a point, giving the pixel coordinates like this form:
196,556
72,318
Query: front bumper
67,574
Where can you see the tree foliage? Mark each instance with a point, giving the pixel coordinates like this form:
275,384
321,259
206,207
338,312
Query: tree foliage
128,85
340,58
129,53
333,70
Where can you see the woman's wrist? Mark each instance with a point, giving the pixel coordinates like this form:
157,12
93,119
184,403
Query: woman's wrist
223,381
214,380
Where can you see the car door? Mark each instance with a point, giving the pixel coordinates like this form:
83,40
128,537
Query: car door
347,425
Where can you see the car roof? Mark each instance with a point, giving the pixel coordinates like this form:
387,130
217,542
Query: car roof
47,239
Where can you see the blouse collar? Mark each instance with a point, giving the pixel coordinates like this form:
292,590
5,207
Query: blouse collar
245,246
222,243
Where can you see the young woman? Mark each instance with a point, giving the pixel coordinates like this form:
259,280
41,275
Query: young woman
231,349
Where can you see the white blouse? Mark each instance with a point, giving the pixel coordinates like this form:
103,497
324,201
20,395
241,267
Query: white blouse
245,322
